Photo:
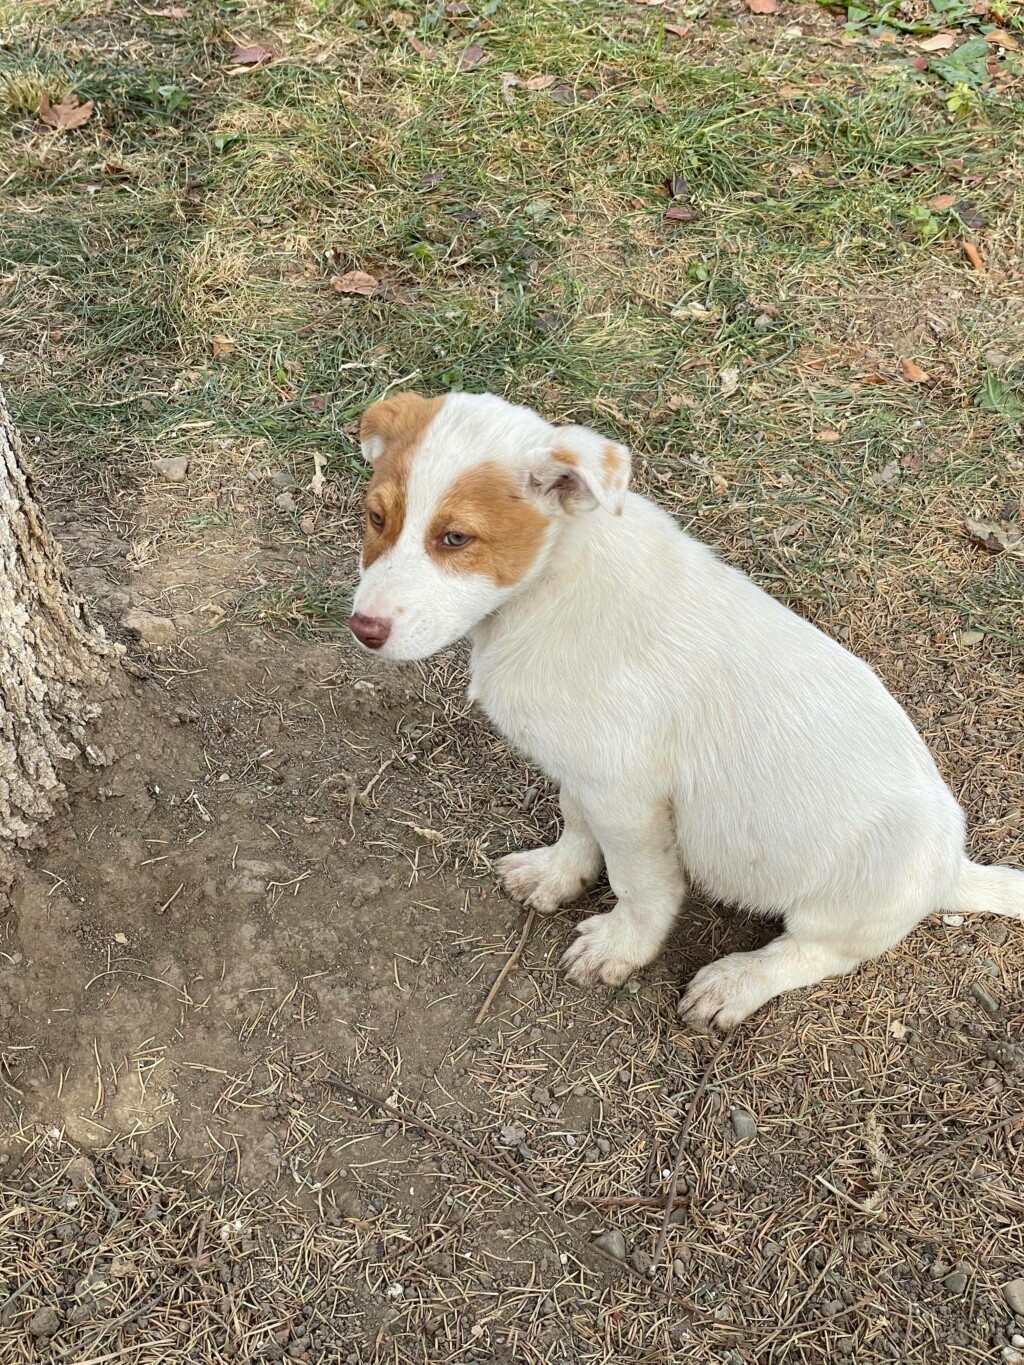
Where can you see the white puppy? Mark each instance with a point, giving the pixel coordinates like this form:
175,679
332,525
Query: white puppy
699,731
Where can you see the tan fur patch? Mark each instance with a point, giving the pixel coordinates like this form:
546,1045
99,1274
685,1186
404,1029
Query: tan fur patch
566,457
399,423
507,531
611,466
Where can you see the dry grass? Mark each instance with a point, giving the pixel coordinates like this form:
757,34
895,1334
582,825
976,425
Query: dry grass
523,244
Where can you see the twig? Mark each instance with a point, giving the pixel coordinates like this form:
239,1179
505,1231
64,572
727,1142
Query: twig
439,1135
684,1133
510,962
1007,1122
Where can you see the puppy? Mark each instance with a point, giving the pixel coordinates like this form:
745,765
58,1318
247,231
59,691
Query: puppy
699,731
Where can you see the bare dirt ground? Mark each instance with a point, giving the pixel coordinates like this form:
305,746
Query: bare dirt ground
281,876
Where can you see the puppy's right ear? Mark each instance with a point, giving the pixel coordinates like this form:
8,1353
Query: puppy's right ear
395,423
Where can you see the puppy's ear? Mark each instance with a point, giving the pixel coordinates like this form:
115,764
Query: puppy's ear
583,470
394,423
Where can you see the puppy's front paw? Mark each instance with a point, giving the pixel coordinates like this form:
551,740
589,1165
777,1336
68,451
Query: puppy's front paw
607,950
542,878
725,992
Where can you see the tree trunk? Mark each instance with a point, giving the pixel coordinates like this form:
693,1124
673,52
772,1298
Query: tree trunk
53,659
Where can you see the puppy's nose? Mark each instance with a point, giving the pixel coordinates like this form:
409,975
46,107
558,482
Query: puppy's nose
370,631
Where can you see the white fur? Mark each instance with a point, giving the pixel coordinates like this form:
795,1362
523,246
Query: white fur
700,732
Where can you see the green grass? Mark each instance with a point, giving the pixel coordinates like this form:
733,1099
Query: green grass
524,242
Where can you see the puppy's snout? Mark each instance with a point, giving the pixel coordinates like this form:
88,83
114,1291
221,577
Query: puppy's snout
370,631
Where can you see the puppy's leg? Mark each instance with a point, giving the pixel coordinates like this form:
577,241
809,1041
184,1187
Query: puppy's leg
816,944
545,878
645,873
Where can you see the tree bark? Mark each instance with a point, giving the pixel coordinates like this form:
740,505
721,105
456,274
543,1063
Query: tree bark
54,661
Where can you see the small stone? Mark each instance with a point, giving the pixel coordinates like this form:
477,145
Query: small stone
283,479
1013,1293
641,1262
679,1270
285,502
956,1283
612,1243
172,468
45,1322
846,1345
1017,1340
530,798
743,1124
763,321
1011,1356
154,630
985,1000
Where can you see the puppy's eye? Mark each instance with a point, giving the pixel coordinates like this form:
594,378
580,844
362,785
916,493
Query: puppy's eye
376,518
455,540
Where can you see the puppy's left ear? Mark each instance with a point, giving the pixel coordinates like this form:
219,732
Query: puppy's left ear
583,470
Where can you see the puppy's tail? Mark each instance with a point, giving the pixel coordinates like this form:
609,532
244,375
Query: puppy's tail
988,891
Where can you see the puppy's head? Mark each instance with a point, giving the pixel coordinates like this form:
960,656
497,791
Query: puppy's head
466,500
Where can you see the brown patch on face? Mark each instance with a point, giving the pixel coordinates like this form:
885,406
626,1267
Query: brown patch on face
611,466
507,531
565,457
397,425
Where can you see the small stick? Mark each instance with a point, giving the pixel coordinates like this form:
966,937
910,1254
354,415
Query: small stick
415,1121
684,1132
510,962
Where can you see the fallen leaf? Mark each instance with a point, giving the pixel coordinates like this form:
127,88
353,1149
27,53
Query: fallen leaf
458,8
539,82
563,94
81,1172
677,30
886,475
678,401
897,1030
999,395
221,346
421,49
913,372
254,55
938,42
471,58
729,381
682,213
316,403
763,6
68,114
873,379
969,214
914,462
969,637
175,12
307,525
941,201
659,104
431,180
826,435
995,536
974,256
355,282
120,938
1000,38
786,532
919,63
677,187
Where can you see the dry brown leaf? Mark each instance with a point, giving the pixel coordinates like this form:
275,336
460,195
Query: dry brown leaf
355,282
938,42
826,434
873,379
941,201
763,6
681,213
677,30
222,346
421,49
253,55
729,381
68,114
471,58
174,12
539,82
974,256
995,536
913,372
1000,38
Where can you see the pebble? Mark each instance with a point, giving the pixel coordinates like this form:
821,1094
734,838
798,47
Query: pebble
953,921
154,630
983,998
1011,1356
1013,1293
172,468
45,1322
640,1261
743,1124
679,1270
956,1283
285,502
283,479
1017,1340
612,1243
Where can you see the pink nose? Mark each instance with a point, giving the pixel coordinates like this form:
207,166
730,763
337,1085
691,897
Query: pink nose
369,630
